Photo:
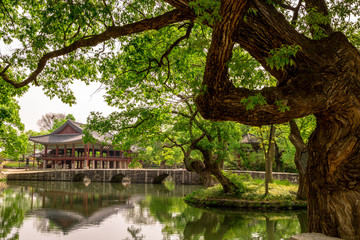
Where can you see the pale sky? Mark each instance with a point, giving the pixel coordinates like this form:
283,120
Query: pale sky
34,104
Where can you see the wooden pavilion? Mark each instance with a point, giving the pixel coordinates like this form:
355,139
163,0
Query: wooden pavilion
64,148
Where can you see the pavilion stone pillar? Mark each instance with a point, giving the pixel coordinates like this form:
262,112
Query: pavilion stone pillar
85,164
72,164
55,164
64,164
93,164
86,154
44,164
100,164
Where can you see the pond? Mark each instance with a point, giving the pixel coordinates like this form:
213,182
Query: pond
66,210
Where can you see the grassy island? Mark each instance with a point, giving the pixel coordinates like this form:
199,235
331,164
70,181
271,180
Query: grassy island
282,195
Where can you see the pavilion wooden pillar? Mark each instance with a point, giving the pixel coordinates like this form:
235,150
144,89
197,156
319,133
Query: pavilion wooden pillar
108,156
85,159
45,155
93,155
73,155
101,155
65,154
34,155
86,156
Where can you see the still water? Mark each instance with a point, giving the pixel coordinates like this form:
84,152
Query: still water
65,210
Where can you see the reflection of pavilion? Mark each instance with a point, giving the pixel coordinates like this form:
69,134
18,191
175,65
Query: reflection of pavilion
64,148
68,221
73,209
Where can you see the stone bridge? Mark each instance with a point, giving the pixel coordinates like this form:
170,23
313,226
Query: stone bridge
179,176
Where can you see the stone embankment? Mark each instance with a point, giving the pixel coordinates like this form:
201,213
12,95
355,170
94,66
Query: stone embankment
312,236
180,176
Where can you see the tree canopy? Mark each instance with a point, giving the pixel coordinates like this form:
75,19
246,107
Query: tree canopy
302,56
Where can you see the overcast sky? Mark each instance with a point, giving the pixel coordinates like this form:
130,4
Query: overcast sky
34,104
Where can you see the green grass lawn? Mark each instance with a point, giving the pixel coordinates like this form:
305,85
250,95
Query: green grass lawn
18,164
282,195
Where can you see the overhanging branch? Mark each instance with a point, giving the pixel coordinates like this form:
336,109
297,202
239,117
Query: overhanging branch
111,32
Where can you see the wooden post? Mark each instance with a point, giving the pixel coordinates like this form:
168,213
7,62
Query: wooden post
73,150
87,155
57,151
65,150
34,155
45,151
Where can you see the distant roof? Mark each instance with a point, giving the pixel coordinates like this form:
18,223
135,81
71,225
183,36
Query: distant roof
69,132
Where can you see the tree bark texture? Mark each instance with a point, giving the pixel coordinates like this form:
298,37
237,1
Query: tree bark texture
279,164
301,158
211,162
199,167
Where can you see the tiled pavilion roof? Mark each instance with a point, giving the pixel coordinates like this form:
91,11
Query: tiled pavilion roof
69,132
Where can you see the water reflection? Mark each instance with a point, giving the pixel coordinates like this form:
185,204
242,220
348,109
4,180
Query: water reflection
64,210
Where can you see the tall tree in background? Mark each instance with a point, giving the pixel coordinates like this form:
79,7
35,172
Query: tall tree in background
47,121
299,43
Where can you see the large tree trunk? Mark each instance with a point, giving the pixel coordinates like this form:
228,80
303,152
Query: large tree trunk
199,167
204,172
211,162
279,165
333,173
301,158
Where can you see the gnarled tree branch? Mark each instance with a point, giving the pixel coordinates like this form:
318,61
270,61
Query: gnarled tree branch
111,32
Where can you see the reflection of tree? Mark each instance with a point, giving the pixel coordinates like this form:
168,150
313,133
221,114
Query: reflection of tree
270,228
193,223
13,207
134,232
212,225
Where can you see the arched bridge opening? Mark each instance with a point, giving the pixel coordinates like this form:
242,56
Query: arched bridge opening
118,178
81,177
162,177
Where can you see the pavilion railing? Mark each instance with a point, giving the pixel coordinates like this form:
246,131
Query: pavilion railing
82,158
